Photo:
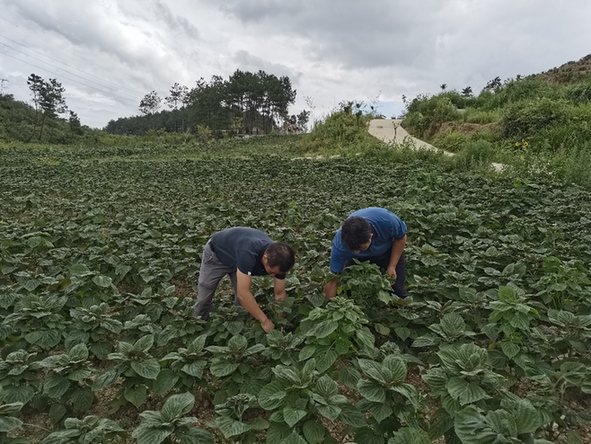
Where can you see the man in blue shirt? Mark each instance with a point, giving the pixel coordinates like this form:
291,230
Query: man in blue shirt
241,253
372,234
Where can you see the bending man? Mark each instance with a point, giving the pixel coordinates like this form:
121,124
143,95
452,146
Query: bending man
241,253
372,234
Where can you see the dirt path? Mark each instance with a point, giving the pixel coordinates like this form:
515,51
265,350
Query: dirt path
390,130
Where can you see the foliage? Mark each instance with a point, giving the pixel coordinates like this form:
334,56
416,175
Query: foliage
99,257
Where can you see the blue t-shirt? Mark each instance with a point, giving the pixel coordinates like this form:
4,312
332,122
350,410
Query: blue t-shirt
386,227
242,248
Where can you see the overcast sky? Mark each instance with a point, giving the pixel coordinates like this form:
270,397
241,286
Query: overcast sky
108,54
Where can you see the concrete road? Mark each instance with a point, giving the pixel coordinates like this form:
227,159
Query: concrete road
390,130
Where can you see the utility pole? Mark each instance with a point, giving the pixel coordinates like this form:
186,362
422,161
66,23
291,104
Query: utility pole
2,81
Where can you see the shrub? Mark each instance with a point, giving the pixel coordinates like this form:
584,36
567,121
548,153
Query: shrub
452,141
524,119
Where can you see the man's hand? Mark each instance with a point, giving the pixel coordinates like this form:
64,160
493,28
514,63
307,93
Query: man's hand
392,273
267,325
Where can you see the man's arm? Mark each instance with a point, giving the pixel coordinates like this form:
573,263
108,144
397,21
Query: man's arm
397,250
247,300
330,289
279,289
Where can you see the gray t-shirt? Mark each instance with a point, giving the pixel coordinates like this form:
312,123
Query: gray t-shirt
242,248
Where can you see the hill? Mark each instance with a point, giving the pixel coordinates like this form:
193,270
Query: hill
570,72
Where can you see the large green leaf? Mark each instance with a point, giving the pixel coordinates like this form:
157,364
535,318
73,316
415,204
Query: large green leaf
292,416
151,435
371,391
177,406
326,360
8,423
271,396
396,368
294,438
351,416
465,392
326,387
221,368
313,432
230,427
408,435
146,368
136,395
55,385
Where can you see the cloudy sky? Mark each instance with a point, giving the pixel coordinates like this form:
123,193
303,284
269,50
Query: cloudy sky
109,53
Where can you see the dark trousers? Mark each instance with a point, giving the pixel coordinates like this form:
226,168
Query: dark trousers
383,261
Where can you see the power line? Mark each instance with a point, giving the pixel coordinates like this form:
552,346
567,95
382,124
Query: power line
65,70
135,101
65,64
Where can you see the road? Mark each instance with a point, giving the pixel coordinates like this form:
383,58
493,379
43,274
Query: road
390,130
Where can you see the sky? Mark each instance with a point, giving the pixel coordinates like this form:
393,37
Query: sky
108,54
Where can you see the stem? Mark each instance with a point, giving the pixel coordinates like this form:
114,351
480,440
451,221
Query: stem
36,426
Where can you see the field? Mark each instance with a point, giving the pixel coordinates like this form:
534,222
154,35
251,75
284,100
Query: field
99,256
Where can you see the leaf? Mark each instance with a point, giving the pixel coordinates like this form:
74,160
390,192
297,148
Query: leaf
323,329
102,281
79,270
349,376
144,343
313,432
292,416
151,435
526,417
396,367
371,391
136,395
408,435
465,392
8,423
510,349
57,412
177,406
222,368
471,427
230,427
55,385
294,438
326,361
18,393
277,432
271,396
148,368
82,399
452,324
306,353
193,435
351,416
326,387
78,353
427,340
105,379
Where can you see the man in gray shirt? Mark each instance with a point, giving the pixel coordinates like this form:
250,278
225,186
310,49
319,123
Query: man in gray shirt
241,253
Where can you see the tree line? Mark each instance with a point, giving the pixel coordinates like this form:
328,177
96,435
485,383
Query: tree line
245,103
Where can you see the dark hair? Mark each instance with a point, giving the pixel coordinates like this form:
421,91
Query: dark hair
355,232
280,255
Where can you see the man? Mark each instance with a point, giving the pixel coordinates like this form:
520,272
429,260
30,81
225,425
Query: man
372,234
241,253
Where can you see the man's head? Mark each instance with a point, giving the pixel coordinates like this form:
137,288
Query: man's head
356,234
278,258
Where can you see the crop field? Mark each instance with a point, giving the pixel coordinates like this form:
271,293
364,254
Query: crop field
99,256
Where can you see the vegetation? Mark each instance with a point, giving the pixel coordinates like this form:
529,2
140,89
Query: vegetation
539,122
245,103
99,255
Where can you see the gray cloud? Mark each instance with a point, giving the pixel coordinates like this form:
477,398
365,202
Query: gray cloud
331,51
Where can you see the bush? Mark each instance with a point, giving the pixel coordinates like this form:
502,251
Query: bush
524,119
452,141
479,153
426,114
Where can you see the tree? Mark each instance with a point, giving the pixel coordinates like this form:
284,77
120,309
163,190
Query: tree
443,86
303,119
177,95
494,85
150,103
48,98
467,91
74,122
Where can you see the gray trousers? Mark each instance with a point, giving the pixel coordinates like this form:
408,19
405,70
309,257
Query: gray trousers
211,273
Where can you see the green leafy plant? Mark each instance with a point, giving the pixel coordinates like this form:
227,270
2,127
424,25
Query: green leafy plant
231,421
333,331
91,430
169,425
136,364
9,422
